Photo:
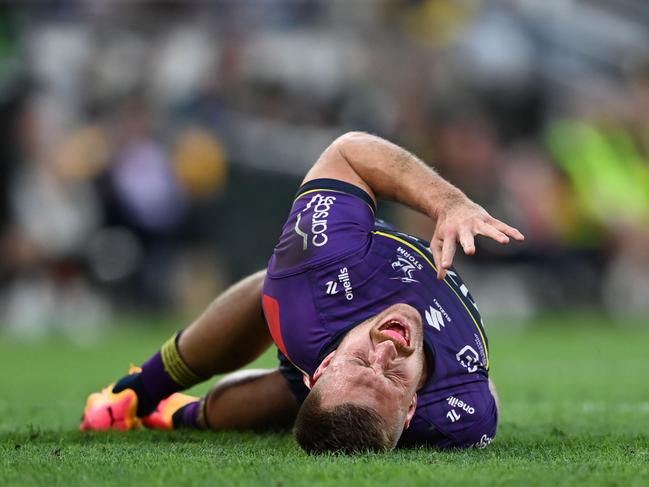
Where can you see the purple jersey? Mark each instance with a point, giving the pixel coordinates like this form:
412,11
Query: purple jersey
335,266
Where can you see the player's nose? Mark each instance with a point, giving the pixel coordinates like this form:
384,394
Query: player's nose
383,354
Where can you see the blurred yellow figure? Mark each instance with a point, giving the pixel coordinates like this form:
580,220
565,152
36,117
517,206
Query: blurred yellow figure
200,163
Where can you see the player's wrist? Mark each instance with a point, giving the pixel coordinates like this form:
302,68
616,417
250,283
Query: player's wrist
446,201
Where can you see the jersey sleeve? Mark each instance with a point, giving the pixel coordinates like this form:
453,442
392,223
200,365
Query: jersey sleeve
462,417
329,219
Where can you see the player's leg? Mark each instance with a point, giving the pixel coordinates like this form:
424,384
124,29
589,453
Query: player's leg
228,335
251,400
244,400
231,333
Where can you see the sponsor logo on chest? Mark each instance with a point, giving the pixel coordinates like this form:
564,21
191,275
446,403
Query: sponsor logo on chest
436,317
321,208
468,358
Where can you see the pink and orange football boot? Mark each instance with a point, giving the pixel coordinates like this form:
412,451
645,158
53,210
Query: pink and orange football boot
108,411
162,417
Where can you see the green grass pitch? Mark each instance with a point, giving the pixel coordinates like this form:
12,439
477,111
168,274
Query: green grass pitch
575,394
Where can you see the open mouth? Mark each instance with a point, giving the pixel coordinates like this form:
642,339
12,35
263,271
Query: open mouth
396,331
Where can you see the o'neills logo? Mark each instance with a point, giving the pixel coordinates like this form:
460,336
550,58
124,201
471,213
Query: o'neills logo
321,208
331,287
343,278
454,402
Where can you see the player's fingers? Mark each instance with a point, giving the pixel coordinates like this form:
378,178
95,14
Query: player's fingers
436,249
507,230
488,231
467,241
448,252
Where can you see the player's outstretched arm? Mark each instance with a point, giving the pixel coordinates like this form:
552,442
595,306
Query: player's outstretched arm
387,171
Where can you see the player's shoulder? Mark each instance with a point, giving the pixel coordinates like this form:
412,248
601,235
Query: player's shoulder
459,417
332,187
329,218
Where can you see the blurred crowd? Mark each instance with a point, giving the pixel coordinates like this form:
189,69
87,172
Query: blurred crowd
150,149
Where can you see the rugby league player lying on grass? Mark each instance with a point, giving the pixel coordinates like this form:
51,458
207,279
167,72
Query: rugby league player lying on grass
380,343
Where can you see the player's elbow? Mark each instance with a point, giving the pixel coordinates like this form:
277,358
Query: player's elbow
349,140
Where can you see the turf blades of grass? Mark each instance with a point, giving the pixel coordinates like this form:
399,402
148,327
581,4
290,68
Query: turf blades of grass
575,412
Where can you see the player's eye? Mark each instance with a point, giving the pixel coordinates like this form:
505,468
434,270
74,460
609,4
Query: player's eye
360,360
394,376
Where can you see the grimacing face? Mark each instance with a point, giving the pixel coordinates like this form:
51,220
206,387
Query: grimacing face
379,364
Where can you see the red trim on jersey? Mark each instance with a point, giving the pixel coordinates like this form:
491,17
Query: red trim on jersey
271,310
308,380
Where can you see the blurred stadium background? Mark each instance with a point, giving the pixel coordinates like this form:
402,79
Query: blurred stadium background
150,150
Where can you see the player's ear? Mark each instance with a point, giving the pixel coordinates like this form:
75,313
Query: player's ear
411,411
323,366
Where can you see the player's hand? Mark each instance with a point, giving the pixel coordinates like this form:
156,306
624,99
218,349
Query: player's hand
460,222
